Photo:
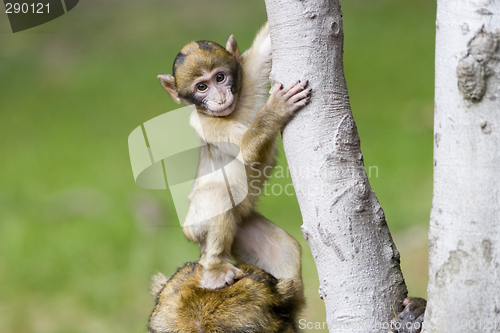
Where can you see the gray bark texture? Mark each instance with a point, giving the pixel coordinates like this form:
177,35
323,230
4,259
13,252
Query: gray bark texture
357,261
464,235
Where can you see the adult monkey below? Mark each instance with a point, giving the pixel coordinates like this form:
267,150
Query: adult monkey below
235,122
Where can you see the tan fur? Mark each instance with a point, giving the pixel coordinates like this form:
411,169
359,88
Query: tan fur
190,68
255,303
158,281
247,136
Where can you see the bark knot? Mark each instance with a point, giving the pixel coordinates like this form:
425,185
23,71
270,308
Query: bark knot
473,69
450,268
328,239
485,127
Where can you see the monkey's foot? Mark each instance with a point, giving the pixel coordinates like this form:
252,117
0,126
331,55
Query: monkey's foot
412,317
219,276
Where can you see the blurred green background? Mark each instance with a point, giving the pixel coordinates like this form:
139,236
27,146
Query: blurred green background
79,240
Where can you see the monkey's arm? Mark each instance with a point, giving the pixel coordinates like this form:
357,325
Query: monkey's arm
259,139
256,64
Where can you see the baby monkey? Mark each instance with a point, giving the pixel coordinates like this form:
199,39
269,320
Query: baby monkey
235,123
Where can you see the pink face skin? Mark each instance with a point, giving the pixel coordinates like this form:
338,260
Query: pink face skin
214,90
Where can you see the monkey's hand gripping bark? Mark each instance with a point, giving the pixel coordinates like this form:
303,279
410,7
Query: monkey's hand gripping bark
411,318
279,108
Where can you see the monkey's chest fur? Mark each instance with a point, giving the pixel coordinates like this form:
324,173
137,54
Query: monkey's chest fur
222,166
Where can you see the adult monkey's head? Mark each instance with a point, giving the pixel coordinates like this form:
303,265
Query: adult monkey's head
207,75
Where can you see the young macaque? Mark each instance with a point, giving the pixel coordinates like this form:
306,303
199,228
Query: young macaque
235,123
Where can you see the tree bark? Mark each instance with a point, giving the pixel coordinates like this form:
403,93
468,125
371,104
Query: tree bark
357,261
464,235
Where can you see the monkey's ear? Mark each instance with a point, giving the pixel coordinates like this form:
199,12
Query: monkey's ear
232,47
158,281
168,83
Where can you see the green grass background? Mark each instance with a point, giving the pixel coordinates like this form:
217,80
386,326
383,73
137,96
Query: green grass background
79,240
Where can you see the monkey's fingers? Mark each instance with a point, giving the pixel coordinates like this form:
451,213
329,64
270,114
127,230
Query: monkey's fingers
297,105
411,318
277,87
304,94
294,88
219,276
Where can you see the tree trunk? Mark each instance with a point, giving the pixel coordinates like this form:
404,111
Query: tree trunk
464,235
357,261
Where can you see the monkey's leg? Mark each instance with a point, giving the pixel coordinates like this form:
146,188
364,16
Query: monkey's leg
214,234
262,243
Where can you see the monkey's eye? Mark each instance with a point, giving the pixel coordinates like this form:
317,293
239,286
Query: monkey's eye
220,77
201,87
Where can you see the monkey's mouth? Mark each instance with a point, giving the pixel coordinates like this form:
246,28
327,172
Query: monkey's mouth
220,107
222,112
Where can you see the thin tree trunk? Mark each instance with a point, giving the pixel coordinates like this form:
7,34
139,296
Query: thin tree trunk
357,261
464,235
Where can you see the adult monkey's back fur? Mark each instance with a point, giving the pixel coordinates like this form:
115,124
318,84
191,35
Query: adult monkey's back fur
256,302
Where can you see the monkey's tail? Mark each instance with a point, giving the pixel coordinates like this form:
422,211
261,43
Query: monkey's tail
292,295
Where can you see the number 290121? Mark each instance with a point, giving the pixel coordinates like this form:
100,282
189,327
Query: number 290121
25,8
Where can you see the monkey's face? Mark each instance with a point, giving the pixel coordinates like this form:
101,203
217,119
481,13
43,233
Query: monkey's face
213,91
207,75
